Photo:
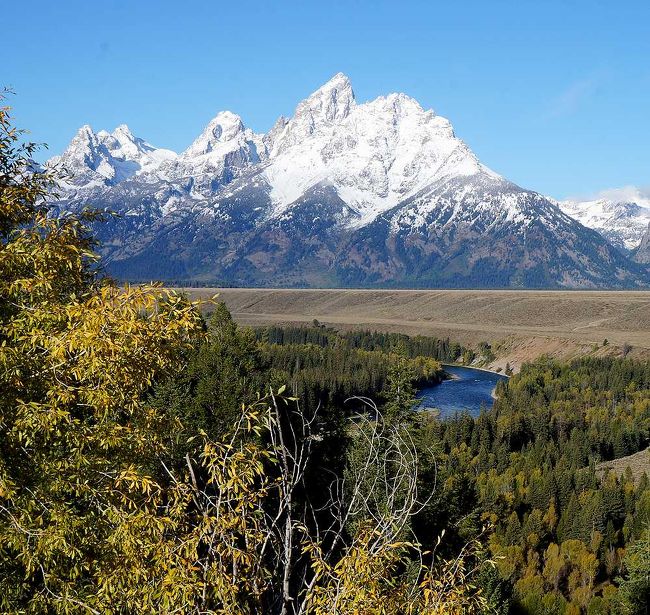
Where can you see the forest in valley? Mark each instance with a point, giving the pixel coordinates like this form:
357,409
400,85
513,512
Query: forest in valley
155,457
521,479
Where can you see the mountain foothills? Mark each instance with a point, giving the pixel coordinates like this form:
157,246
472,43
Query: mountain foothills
344,194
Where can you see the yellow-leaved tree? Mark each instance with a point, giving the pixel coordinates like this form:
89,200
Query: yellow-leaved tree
98,511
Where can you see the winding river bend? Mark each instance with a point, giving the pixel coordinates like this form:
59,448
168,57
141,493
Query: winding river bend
468,390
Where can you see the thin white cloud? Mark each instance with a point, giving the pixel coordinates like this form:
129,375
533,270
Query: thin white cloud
573,97
625,194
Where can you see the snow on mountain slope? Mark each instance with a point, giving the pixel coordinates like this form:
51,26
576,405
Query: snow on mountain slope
620,215
220,153
374,154
484,231
330,103
103,158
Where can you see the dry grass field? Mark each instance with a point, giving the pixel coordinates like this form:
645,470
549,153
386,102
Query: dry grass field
638,463
521,325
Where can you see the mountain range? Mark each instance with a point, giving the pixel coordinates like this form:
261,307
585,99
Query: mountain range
348,194
621,215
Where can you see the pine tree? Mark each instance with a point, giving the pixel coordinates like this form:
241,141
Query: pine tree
634,590
399,392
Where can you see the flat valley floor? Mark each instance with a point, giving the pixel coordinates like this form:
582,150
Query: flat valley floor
520,325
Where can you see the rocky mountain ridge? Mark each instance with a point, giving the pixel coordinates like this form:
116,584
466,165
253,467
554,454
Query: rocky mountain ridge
621,215
381,193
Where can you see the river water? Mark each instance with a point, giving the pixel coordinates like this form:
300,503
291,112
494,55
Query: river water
468,390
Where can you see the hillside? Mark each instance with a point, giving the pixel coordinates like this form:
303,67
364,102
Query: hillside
637,462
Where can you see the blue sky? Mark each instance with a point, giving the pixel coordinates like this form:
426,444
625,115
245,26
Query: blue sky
553,95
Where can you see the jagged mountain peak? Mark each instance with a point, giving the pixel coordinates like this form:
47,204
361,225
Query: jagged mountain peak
224,150
82,144
85,131
340,80
400,101
373,156
406,113
332,102
123,129
224,127
107,158
124,145
122,133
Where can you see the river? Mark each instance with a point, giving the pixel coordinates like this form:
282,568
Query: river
469,389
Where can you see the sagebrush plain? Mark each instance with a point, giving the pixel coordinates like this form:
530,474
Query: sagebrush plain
521,325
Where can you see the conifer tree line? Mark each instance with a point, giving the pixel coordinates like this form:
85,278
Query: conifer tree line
153,460
319,335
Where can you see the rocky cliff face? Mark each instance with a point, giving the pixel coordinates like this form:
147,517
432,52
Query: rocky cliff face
642,253
381,193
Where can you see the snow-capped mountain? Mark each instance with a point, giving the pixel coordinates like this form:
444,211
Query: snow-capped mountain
106,159
342,193
224,150
375,155
621,215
